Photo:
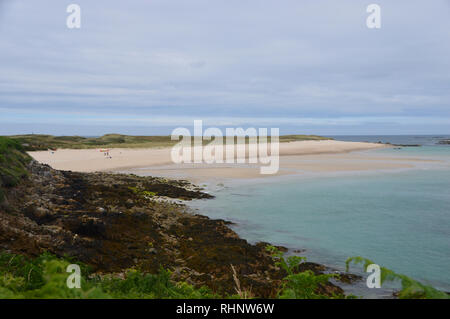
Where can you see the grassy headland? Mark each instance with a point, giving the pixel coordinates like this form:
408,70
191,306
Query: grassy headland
37,142
13,161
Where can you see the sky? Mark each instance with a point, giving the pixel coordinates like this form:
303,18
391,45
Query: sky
146,67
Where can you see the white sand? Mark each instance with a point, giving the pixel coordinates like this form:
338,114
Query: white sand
91,160
298,156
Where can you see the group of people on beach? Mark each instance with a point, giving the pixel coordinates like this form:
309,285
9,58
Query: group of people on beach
106,153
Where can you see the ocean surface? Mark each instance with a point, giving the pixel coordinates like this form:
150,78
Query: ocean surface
400,219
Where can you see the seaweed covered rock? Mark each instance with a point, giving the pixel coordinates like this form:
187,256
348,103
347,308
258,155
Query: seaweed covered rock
114,222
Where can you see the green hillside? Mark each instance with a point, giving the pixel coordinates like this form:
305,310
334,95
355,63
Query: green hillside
35,142
13,160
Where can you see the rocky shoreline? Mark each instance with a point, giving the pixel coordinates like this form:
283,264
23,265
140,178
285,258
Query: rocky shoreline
113,222
444,142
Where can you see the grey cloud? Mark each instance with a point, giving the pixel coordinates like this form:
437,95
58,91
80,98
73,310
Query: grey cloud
272,59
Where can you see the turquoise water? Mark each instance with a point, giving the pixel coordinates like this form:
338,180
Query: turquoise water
399,219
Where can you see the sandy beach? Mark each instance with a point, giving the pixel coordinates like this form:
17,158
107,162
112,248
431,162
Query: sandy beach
295,157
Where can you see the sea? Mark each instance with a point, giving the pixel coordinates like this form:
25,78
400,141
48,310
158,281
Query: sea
399,219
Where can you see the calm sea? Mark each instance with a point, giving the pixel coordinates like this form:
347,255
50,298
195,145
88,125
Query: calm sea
399,219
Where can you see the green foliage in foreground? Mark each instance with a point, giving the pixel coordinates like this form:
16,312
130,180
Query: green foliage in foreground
300,285
138,285
411,289
45,277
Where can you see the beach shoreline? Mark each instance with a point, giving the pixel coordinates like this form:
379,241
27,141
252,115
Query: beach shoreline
295,158
92,160
315,157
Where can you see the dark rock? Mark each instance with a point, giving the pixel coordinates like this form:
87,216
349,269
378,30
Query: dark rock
107,222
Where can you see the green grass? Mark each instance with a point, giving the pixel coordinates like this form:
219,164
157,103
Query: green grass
34,142
13,161
300,285
293,138
45,277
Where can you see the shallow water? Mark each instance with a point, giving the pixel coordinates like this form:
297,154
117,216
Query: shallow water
400,219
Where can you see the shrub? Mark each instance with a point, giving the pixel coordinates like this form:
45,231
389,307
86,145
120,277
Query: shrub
411,289
45,277
299,285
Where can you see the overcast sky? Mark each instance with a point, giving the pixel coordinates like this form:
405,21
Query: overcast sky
146,67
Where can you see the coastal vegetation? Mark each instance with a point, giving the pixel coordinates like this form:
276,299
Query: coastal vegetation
300,284
37,142
13,161
410,288
133,239
45,277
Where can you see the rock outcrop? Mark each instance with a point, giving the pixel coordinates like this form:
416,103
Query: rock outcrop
112,222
